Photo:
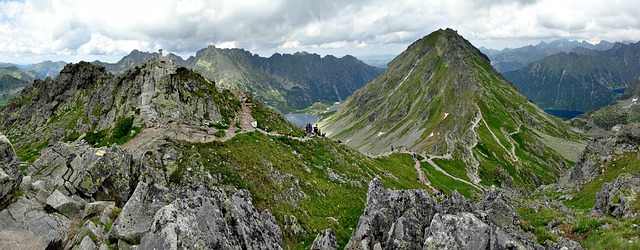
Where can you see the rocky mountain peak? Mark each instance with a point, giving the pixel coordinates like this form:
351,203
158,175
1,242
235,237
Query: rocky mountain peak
442,98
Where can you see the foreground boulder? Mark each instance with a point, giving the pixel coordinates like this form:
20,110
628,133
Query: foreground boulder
25,225
619,197
194,217
10,176
393,219
90,172
412,219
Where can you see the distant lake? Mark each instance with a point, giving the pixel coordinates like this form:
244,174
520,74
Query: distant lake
566,114
334,108
301,120
619,91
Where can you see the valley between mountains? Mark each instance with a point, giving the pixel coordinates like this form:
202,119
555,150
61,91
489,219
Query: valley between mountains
438,151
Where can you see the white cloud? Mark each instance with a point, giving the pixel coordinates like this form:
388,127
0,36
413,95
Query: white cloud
37,28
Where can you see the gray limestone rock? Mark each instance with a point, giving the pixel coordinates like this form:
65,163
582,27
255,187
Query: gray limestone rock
618,198
208,219
137,214
461,231
466,231
63,203
326,240
87,244
26,226
496,208
393,219
10,176
565,244
456,203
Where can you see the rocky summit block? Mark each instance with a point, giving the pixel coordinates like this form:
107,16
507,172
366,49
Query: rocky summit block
10,176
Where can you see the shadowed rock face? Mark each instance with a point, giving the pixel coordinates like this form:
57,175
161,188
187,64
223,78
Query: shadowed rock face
10,176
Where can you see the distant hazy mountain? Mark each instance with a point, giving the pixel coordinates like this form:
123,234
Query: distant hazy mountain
578,82
513,59
442,97
133,59
46,69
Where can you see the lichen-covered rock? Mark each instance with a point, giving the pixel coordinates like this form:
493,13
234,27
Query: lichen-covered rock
77,168
208,219
412,219
87,244
111,169
326,240
393,219
10,176
619,198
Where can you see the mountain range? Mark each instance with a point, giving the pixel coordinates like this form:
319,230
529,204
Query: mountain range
513,59
287,82
578,82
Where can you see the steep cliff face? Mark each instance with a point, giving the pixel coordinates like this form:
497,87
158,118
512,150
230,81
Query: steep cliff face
442,97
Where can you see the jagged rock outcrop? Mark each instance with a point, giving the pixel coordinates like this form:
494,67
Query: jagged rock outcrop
393,218
326,240
209,219
412,219
619,198
496,208
599,151
10,176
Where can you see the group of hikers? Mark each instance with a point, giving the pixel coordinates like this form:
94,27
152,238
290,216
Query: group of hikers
313,130
441,195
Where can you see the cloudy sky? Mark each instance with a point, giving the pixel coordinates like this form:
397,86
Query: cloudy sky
73,30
